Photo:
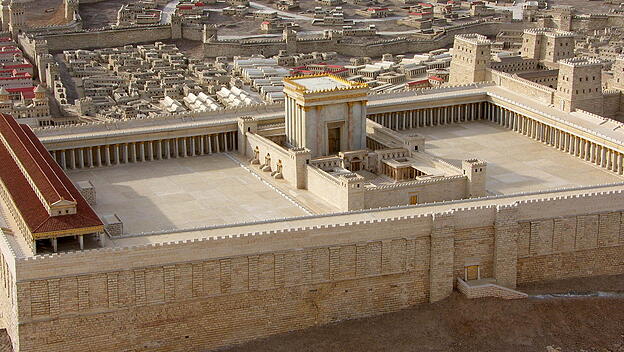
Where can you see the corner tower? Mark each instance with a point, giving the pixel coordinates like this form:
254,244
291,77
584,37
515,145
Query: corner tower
579,85
325,113
471,59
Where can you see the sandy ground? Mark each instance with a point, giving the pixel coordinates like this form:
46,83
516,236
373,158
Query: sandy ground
45,13
101,14
458,324
583,6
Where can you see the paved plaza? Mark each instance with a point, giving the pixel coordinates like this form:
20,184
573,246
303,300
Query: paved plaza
516,163
183,193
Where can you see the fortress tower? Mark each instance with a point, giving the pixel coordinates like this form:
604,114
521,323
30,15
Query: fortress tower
325,113
290,38
547,45
618,73
475,170
579,85
471,59
71,6
16,17
562,17
6,18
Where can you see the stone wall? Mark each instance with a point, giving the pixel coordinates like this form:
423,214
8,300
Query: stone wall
428,191
205,293
373,49
530,89
107,38
328,188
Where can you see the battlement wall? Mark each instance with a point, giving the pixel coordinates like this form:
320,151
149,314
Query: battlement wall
90,39
514,83
389,259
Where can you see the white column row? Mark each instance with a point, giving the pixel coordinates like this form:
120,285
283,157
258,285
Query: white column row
401,120
124,153
578,146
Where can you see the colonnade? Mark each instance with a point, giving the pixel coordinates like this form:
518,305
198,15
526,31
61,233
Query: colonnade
131,152
599,154
596,153
443,115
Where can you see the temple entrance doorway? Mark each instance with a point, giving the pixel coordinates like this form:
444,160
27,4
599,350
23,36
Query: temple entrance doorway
333,139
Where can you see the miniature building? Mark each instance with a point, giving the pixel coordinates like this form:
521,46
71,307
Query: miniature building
471,58
580,85
326,114
547,45
44,202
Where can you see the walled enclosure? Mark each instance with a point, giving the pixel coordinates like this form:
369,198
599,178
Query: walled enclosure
219,291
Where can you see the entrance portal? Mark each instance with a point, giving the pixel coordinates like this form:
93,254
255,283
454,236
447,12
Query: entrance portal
333,139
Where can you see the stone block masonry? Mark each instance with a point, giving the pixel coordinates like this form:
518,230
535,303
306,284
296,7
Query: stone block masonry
195,295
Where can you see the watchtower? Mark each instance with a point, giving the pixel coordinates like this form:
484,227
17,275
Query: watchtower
475,170
547,45
618,73
16,14
6,15
290,38
471,59
176,26
579,85
325,114
562,17
71,6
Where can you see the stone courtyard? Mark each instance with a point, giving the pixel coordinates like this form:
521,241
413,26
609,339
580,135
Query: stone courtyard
183,193
515,163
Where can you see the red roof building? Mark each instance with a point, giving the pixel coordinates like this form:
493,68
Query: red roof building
41,197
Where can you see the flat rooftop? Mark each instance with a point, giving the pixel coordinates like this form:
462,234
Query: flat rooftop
184,193
516,163
320,83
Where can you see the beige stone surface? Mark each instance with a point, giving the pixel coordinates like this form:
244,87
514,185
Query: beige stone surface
183,193
515,163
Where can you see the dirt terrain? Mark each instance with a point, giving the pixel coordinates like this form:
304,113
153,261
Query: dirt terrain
584,6
45,13
101,14
458,324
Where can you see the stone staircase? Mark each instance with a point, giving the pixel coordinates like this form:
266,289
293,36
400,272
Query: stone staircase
487,288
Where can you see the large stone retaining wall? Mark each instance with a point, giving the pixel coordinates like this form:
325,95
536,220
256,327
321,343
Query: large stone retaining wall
200,294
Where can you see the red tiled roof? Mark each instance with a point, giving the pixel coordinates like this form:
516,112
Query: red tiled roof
46,173
8,67
26,92
436,78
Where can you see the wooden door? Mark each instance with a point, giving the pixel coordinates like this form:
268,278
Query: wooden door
333,139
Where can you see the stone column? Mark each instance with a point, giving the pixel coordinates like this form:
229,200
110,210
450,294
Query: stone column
80,152
201,145
107,156
98,157
159,149
184,154
192,146
150,150
63,161
142,146
442,257
117,160
125,151
209,139
506,229
168,149
72,158
176,147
